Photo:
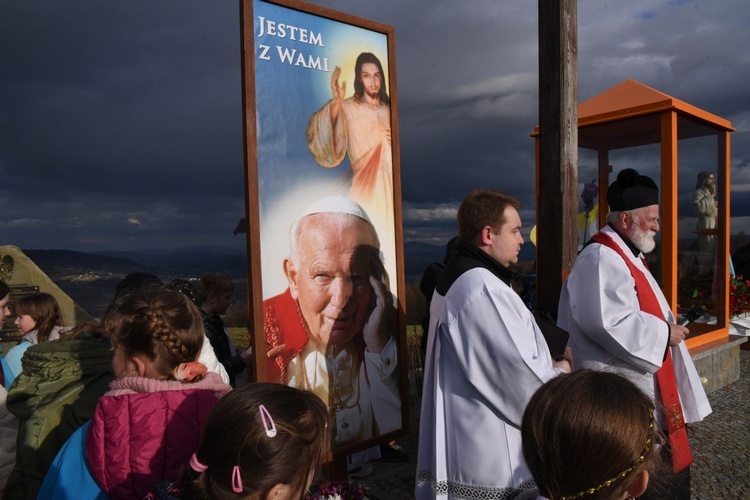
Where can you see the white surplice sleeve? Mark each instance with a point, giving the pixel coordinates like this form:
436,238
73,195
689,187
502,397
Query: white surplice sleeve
604,306
499,348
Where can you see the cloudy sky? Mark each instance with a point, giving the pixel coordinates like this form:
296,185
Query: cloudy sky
121,122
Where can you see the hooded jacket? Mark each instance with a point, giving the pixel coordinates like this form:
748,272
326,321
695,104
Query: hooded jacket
53,396
143,431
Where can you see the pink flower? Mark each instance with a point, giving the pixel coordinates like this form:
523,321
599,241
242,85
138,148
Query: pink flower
331,490
189,372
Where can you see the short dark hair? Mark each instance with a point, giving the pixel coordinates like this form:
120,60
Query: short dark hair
483,207
588,431
214,284
136,282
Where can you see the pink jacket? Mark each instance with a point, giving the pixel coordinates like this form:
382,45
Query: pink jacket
144,430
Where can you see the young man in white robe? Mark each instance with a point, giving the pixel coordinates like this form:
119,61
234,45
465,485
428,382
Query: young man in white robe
486,356
604,305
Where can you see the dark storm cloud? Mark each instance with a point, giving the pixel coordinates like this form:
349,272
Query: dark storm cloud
119,97
121,124
124,120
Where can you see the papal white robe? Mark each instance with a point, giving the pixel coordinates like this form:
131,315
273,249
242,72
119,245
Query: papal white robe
485,358
366,393
608,330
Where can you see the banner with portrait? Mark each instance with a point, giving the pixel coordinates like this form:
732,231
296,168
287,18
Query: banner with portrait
324,214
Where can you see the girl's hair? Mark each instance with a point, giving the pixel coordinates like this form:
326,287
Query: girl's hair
186,288
587,434
45,312
4,290
238,439
101,329
163,325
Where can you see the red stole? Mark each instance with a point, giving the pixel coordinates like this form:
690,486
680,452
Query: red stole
665,378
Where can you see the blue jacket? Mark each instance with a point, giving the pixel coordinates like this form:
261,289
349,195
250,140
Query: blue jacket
69,476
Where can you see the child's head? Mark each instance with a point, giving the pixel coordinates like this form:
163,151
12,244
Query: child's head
590,435
260,441
215,292
4,298
132,284
185,287
136,282
38,312
153,332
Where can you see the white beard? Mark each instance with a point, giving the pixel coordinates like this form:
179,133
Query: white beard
643,240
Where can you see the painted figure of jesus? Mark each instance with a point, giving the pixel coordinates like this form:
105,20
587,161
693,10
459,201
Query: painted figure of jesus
359,127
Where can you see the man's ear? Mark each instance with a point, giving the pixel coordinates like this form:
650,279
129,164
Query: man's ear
638,486
486,235
291,276
625,219
210,298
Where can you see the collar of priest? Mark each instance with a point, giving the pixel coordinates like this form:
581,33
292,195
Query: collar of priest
469,256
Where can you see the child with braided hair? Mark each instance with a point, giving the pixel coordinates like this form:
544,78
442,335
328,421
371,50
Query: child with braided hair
589,435
278,435
149,423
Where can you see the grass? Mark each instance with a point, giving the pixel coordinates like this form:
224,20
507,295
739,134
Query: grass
239,337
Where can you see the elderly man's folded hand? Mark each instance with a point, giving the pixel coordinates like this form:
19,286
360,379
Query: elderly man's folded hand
378,326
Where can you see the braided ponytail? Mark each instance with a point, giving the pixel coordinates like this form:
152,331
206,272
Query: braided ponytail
163,325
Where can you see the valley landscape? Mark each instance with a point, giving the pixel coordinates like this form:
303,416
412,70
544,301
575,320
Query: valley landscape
90,279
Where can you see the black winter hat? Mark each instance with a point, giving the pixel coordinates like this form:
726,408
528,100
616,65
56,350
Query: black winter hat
632,190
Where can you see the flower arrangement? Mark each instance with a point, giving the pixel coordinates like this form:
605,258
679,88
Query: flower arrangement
739,296
329,490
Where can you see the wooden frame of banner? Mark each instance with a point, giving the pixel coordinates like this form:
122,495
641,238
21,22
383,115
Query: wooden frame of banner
255,279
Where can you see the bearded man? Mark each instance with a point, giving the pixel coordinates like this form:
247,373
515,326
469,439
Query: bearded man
359,127
620,321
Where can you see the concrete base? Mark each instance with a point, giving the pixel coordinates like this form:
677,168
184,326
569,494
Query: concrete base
718,363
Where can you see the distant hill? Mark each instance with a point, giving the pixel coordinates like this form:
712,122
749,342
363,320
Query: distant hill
90,279
67,259
417,256
187,263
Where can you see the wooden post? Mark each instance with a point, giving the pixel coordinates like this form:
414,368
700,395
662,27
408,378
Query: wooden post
604,169
557,228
